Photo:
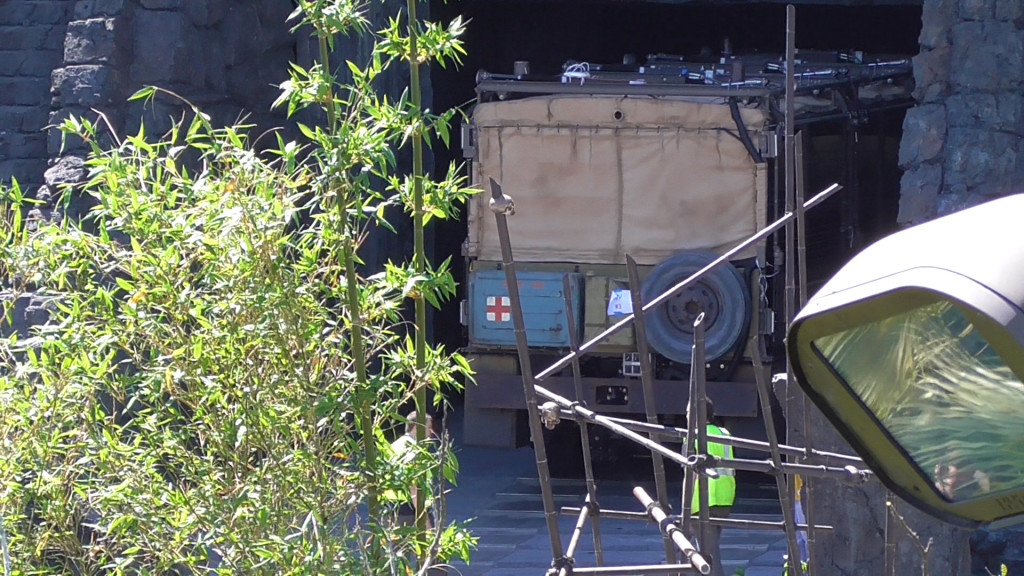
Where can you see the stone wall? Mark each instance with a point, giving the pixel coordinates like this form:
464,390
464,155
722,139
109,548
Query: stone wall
31,47
963,142
60,58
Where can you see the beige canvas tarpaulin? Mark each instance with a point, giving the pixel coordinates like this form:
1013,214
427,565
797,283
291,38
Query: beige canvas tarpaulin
595,178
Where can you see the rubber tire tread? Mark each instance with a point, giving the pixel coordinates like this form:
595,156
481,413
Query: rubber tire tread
720,337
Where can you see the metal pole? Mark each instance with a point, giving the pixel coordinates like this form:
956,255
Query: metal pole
690,446
699,418
725,522
890,537
675,290
808,432
849,473
780,481
791,271
830,458
502,206
672,531
574,541
577,380
637,570
646,378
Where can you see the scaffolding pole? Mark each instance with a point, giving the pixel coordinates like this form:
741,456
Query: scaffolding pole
502,206
588,465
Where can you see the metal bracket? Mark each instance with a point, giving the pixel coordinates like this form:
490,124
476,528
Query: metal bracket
468,136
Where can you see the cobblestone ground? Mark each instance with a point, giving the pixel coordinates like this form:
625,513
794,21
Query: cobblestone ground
498,493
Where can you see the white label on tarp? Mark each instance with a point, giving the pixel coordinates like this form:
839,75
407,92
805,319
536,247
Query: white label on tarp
620,303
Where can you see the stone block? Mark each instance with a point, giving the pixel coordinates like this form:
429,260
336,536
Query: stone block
85,9
204,14
68,170
980,159
987,56
937,18
924,134
931,73
25,118
37,12
27,171
11,63
12,116
38,311
16,324
158,115
92,41
14,144
34,63
243,33
88,85
161,4
977,9
25,91
931,94
1009,10
24,36
1002,112
951,202
919,191
18,12
35,118
57,142
158,40
51,12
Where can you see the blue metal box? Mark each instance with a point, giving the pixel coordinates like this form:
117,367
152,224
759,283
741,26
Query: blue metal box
490,311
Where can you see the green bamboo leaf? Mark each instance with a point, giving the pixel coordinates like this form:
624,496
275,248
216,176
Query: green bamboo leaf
146,94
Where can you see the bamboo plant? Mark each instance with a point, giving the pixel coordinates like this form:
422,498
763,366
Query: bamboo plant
220,375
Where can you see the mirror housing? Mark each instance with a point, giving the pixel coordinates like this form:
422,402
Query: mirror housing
914,351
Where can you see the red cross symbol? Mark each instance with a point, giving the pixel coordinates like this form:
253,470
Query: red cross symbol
499,309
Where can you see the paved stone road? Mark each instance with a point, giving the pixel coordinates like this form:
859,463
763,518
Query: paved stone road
500,496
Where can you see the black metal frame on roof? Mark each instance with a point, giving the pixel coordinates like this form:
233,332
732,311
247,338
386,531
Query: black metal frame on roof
832,75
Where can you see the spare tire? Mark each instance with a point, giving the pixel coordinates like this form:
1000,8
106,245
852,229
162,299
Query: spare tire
721,295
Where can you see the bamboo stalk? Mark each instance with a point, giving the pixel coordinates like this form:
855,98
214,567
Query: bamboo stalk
672,531
690,446
791,205
577,381
499,205
808,431
574,541
646,378
697,418
355,312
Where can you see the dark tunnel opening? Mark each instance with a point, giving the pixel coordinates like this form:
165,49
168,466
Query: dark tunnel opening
549,33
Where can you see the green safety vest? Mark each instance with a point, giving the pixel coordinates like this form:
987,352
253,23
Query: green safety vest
803,565
721,490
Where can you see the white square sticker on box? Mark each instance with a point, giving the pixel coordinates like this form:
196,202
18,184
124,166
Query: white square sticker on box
620,303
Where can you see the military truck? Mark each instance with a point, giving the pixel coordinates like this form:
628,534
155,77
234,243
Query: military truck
672,162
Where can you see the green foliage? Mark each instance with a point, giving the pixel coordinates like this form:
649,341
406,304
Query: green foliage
217,381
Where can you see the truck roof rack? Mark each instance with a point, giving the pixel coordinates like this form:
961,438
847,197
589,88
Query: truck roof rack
830,84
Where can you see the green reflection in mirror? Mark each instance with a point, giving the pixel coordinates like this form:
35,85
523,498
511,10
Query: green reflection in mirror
943,394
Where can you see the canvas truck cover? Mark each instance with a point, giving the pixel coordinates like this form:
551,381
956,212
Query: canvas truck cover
595,178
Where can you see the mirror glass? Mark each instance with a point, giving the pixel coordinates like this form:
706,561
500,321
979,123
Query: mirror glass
943,394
